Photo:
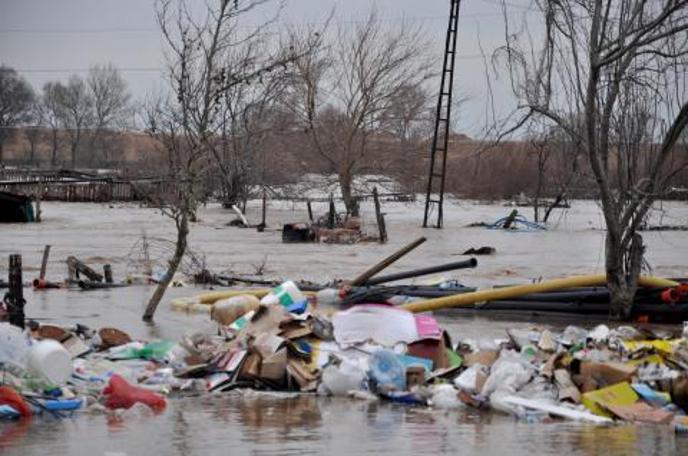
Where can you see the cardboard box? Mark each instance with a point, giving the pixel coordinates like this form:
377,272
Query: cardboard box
306,378
432,349
415,376
274,367
251,367
604,374
484,357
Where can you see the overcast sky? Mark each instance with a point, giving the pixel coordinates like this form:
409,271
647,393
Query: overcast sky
50,39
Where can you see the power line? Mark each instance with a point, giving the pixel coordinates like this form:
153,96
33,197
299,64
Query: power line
80,70
152,69
338,22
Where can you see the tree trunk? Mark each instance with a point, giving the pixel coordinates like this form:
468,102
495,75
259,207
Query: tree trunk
345,186
180,249
623,270
53,158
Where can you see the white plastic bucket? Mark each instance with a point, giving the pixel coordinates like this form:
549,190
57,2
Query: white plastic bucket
51,360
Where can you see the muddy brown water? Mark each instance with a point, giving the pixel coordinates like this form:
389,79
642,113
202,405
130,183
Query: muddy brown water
278,424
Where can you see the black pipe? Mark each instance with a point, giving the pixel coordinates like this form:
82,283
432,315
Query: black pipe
382,294
642,307
92,285
568,307
471,263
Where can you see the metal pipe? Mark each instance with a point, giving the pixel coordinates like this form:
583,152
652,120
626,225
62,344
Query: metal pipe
366,275
471,263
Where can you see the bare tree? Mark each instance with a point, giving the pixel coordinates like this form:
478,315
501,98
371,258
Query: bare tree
245,118
111,110
34,129
612,75
187,126
52,115
75,108
343,91
16,98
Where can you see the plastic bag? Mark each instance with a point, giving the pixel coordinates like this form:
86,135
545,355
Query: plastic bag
445,397
120,394
387,370
468,379
339,380
508,374
14,345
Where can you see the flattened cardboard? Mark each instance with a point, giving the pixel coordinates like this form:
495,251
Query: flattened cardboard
641,412
598,402
567,390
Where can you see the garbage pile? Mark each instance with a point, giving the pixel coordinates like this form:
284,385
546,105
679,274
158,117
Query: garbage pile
286,342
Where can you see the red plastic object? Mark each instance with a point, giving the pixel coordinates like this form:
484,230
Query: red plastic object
121,394
670,295
9,396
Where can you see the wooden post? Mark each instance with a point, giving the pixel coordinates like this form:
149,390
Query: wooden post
380,217
363,278
107,272
332,214
38,209
44,263
265,210
310,210
15,300
76,267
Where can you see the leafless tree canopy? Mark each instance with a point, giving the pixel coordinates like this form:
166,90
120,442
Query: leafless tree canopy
348,89
210,57
16,98
612,75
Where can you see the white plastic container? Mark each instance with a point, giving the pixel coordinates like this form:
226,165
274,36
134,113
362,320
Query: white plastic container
51,360
286,294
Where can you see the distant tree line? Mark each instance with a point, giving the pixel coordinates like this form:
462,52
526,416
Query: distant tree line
77,118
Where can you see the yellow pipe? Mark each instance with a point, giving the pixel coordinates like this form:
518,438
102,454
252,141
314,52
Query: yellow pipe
468,299
213,296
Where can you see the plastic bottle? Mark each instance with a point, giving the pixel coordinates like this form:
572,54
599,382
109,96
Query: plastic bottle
387,370
286,294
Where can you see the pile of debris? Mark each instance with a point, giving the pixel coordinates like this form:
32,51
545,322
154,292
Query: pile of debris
287,342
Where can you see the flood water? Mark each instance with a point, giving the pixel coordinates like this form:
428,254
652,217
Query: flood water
260,424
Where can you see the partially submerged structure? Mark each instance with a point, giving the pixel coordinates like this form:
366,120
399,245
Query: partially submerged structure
16,208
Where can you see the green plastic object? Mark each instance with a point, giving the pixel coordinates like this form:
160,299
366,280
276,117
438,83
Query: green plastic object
454,359
156,350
